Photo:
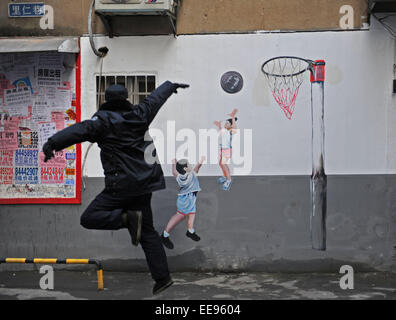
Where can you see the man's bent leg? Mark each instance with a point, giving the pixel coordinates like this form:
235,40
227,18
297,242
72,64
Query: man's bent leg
103,213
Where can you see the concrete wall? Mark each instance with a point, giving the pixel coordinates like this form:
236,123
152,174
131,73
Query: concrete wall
360,110
207,16
262,224
204,16
70,18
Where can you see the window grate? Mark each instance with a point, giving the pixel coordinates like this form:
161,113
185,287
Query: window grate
138,86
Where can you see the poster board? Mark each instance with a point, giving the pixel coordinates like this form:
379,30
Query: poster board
39,96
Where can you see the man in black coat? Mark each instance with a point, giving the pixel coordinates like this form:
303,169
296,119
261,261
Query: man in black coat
119,128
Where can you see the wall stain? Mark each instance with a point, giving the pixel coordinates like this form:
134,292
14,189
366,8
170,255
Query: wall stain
261,90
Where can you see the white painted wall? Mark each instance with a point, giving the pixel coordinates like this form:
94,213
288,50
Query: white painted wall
360,110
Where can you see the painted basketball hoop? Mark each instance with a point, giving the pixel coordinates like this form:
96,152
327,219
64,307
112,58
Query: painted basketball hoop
286,74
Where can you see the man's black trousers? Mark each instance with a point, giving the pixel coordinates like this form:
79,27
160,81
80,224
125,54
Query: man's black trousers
104,213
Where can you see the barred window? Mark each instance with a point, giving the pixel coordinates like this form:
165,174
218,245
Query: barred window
139,87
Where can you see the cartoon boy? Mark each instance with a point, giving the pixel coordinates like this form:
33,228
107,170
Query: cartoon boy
225,141
186,177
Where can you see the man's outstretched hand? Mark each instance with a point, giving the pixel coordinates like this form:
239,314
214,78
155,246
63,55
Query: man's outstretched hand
179,85
48,151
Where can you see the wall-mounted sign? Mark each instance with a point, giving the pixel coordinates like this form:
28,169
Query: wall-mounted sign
26,10
232,82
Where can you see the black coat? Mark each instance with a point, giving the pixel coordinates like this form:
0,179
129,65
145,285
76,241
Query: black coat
120,129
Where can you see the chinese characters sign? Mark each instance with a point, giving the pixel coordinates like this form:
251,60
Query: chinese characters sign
25,10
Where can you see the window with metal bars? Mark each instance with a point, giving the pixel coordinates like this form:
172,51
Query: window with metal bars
139,86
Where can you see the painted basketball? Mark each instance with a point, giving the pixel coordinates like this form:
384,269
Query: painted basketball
231,82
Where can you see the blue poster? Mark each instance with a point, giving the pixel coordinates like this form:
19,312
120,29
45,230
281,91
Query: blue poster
27,158
26,175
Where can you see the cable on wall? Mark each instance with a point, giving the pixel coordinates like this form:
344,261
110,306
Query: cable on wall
101,53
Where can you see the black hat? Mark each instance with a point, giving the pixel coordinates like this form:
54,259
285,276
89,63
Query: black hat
230,120
116,92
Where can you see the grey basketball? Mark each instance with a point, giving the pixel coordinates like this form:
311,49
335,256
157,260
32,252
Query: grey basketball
231,82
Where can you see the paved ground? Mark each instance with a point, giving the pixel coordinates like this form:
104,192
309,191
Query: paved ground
24,285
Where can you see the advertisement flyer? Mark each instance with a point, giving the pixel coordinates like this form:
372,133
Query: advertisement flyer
35,102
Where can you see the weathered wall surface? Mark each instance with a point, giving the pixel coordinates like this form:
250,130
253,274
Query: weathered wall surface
262,224
70,18
204,16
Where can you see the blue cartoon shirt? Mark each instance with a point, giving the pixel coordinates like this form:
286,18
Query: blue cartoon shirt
188,183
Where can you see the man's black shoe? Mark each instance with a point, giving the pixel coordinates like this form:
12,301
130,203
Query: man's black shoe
133,222
167,242
193,236
162,285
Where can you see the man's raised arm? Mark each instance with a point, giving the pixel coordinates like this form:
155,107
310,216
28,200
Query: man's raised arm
88,130
150,106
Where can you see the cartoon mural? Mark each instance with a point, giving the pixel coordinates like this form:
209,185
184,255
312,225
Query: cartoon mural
186,177
225,144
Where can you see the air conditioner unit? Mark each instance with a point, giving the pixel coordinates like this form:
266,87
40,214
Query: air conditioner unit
382,6
108,10
136,7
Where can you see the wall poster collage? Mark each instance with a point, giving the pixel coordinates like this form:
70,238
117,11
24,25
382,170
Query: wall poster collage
37,98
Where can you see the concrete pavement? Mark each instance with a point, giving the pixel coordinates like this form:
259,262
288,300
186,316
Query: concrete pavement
71,285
